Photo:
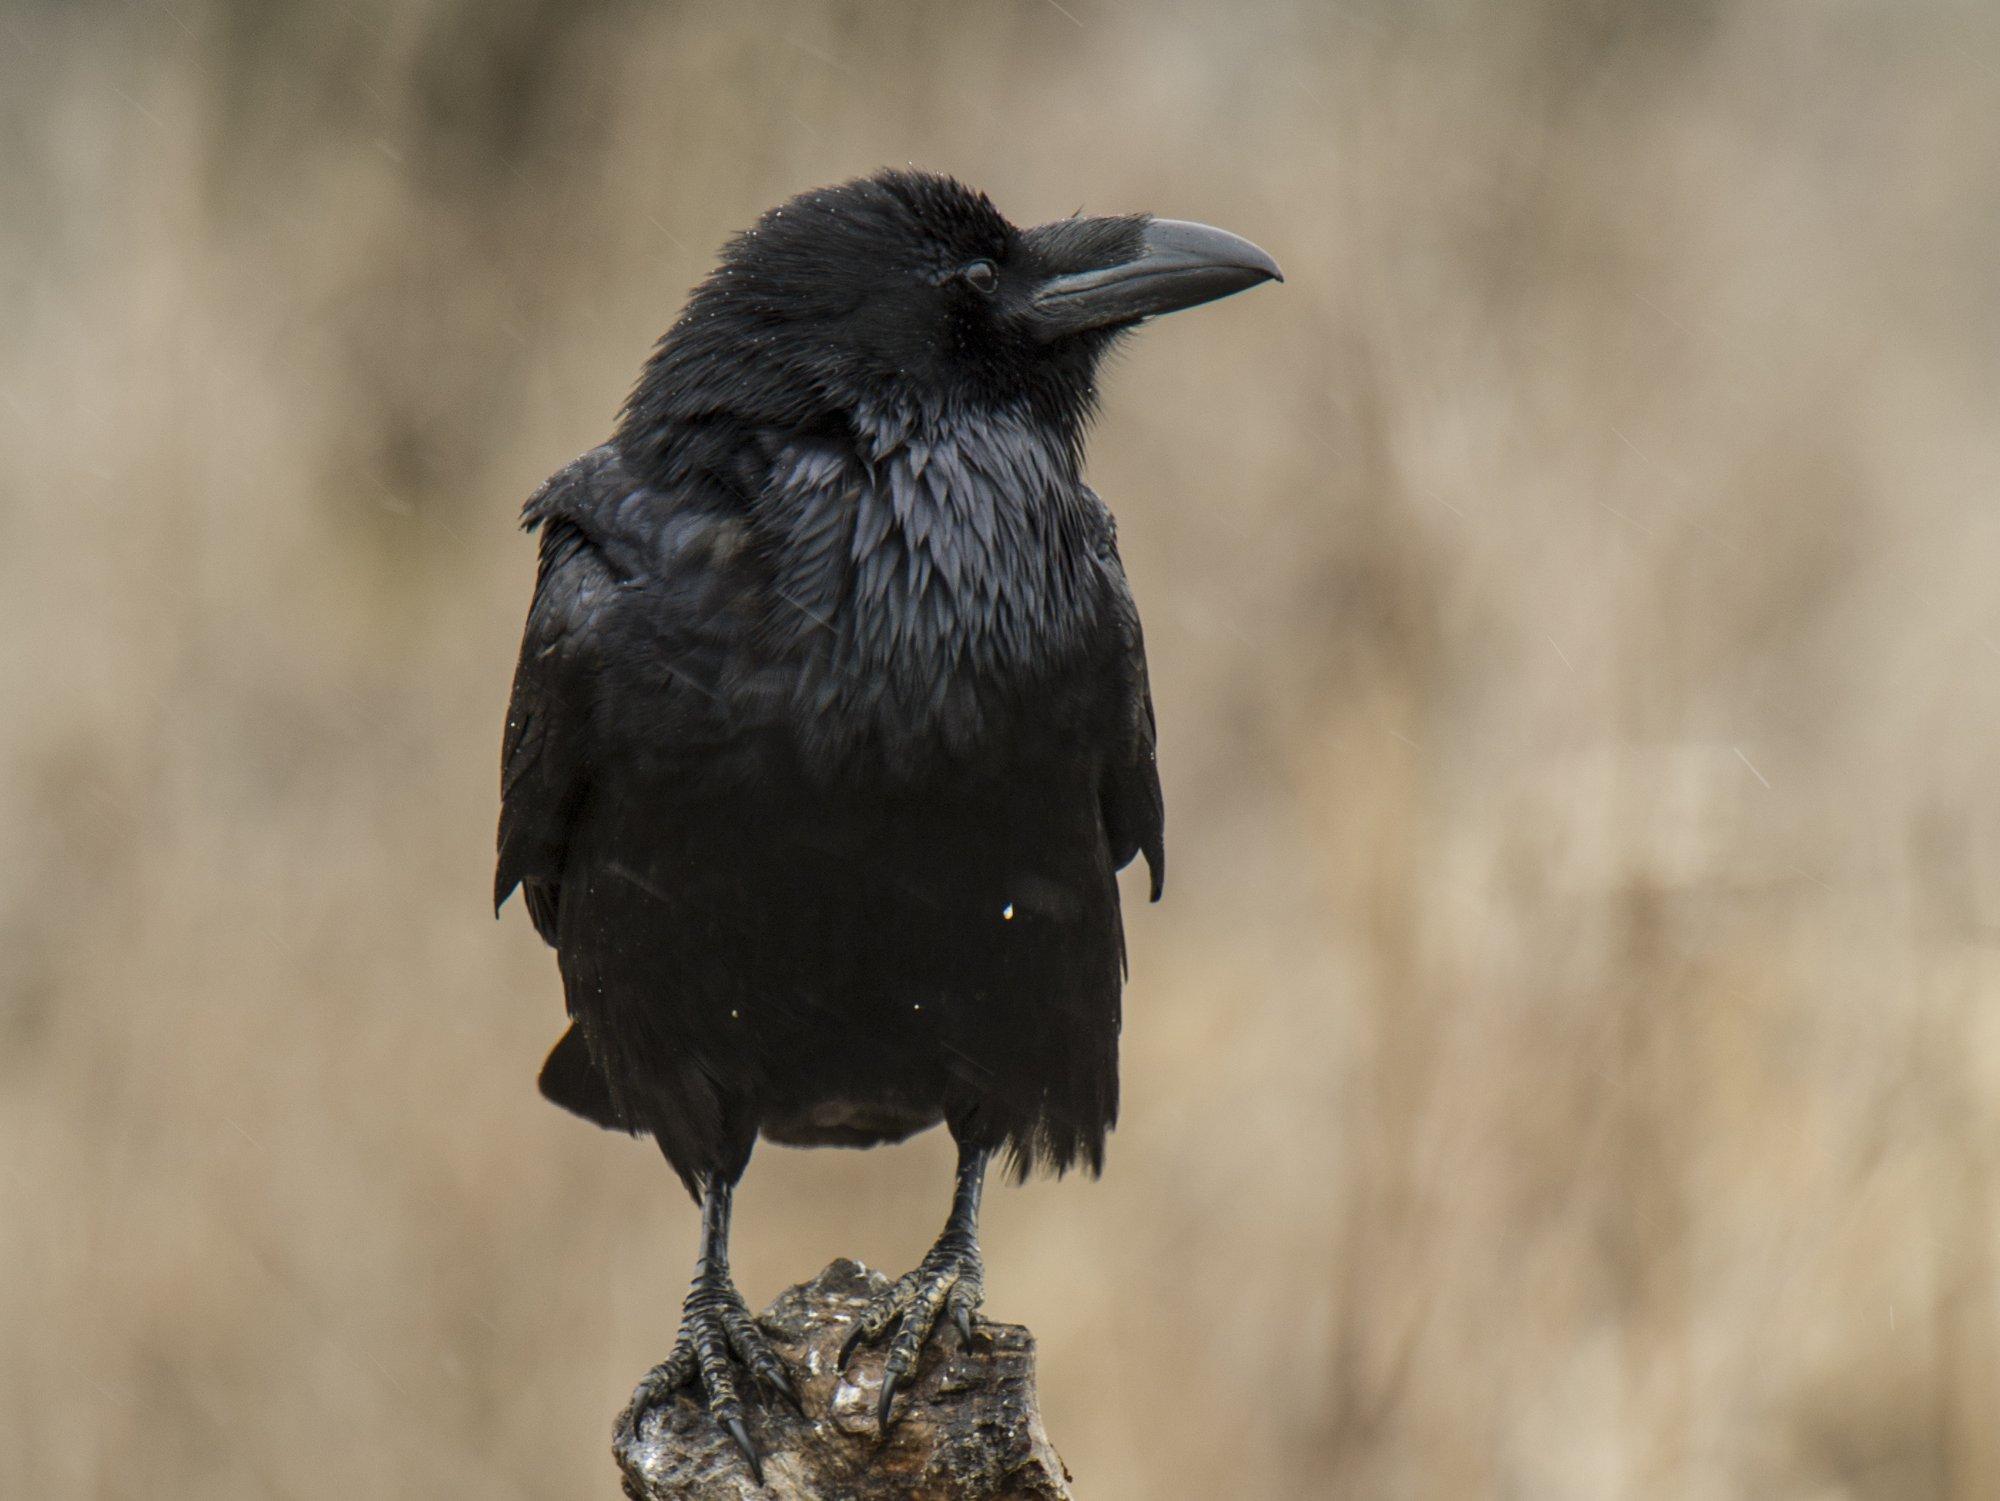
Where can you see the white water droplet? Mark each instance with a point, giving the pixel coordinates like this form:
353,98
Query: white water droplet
1007,912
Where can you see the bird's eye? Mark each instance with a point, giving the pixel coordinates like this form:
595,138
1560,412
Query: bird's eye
981,276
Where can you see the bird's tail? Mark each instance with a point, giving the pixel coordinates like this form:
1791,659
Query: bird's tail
572,1079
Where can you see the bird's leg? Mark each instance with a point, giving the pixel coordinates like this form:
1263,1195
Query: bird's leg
949,1281
717,1336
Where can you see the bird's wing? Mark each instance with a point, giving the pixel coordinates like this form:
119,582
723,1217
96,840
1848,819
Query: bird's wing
1129,794
546,753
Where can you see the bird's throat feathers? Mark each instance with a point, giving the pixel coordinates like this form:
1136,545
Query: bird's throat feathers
930,575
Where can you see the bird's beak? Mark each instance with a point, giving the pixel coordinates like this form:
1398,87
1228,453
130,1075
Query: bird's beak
1177,265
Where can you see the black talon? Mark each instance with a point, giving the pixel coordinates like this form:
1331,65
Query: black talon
790,1393
961,1318
882,1408
850,1344
742,1436
657,1387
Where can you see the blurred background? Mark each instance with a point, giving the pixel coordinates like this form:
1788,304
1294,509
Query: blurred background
1567,1063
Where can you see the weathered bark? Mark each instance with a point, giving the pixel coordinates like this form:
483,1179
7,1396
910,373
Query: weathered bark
967,1428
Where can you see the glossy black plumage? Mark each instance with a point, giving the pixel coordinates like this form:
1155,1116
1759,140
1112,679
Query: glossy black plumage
831,727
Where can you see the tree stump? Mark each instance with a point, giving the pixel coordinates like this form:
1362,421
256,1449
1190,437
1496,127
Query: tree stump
967,1428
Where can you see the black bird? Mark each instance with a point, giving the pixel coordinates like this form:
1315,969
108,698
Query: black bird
831,727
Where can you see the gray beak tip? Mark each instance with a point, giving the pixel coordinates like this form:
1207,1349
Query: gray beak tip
1180,246
1177,265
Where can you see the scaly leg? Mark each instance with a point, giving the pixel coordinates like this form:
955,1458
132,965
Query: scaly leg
949,1280
718,1336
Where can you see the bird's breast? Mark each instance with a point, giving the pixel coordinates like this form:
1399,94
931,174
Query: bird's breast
938,598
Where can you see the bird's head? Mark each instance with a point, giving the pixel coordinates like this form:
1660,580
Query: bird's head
907,289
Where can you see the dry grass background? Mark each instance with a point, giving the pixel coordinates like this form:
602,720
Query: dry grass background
1567,1064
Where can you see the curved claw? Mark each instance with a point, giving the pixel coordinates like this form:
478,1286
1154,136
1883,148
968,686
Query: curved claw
785,1389
961,1318
742,1436
852,1343
889,1384
657,1387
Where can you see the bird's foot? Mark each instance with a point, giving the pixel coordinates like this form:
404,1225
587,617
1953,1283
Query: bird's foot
949,1281
719,1340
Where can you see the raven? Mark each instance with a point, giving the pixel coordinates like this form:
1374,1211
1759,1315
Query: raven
831,726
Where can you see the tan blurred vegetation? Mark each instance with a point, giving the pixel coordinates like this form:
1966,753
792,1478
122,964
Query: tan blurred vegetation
1567,1064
